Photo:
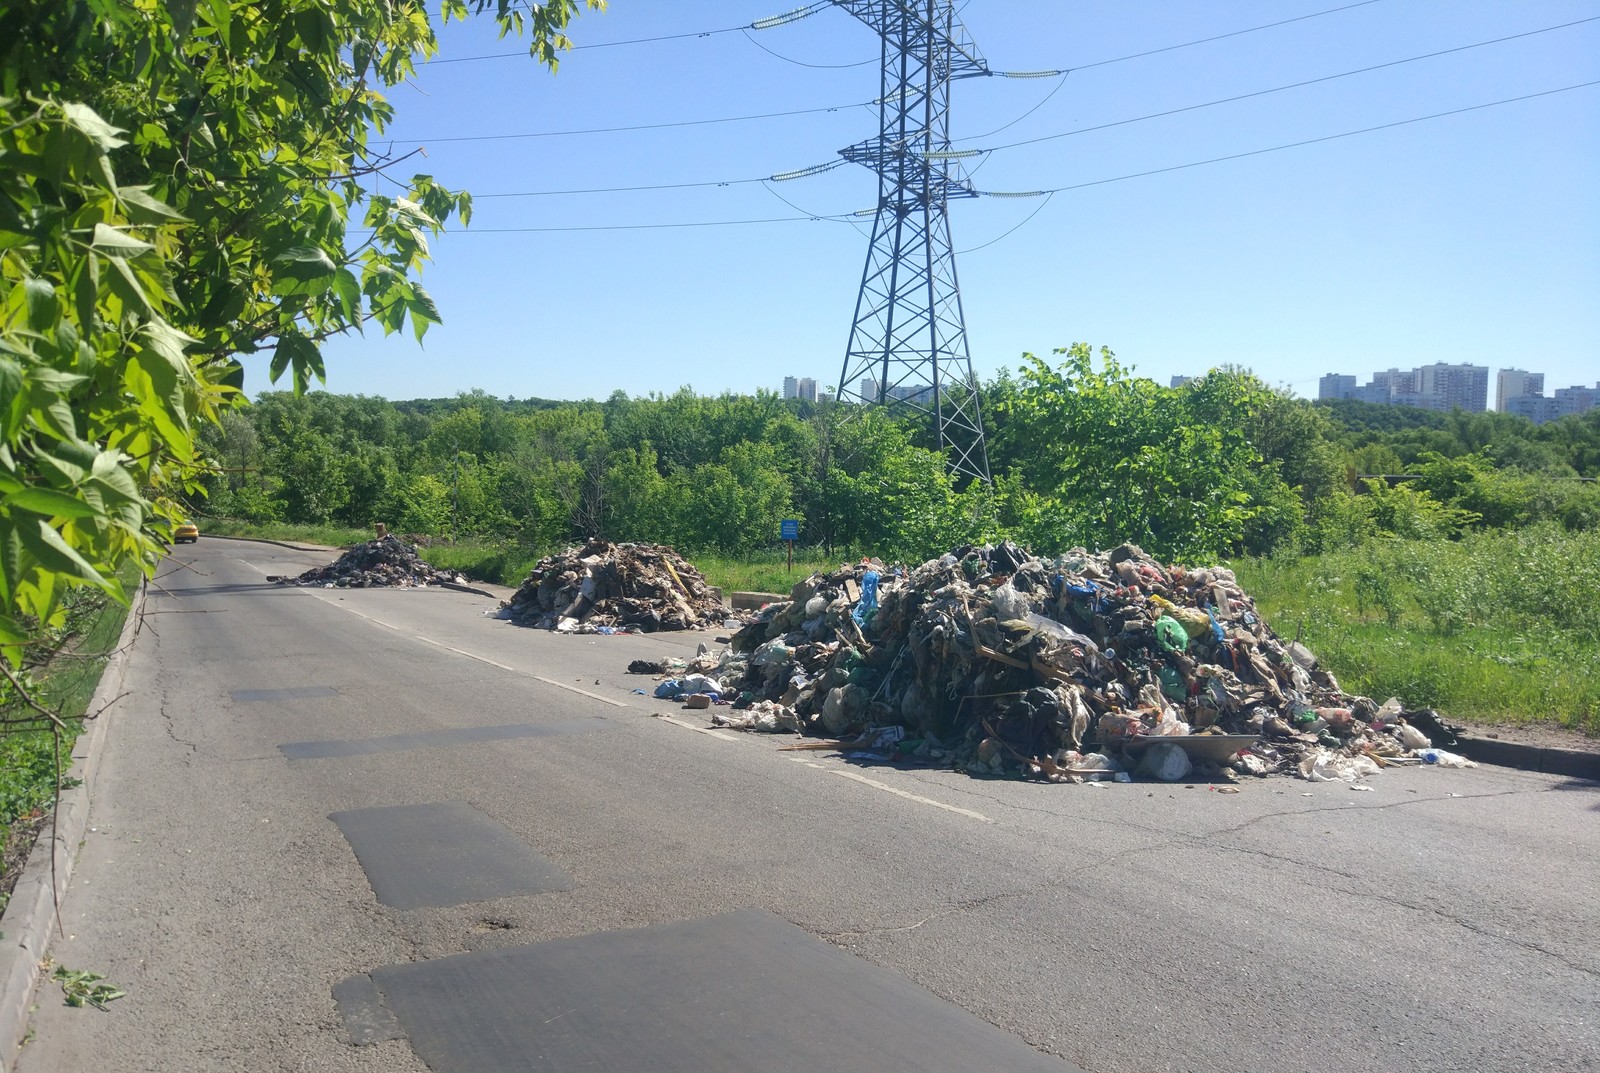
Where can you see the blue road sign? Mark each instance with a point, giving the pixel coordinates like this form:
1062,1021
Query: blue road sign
789,529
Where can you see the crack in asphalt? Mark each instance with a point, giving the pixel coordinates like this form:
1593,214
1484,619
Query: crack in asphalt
170,725
1477,929
842,936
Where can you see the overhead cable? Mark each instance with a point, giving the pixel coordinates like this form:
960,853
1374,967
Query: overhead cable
811,9
828,166
1295,85
1292,145
760,24
637,126
782,176
836,218
1219,37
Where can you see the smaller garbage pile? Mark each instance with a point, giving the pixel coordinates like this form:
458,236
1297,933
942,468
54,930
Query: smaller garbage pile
603,587
1084,667
387,562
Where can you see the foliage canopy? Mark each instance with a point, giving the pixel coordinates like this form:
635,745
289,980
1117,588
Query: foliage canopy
177,180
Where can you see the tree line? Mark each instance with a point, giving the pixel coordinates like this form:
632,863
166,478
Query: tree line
1084,452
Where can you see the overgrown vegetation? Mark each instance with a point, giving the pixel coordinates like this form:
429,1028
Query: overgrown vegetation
66,667
1499,626
1467,579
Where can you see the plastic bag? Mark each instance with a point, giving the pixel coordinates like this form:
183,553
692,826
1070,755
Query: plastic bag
1411,737
1444,759
1171,635
1326,766
1169,763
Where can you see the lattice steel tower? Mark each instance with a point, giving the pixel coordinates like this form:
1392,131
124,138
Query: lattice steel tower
909,334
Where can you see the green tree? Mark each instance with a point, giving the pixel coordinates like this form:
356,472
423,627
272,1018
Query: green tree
1117,458
177,182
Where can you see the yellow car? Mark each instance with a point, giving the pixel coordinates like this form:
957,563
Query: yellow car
187,531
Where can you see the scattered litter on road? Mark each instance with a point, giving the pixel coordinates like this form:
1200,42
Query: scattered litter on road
1080,668
606,588
387,562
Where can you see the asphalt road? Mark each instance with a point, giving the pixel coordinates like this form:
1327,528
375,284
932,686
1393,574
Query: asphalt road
1447,920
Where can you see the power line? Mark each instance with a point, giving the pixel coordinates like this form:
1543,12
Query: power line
1292,145
802,13
1296,85
803,63
835,218
759,24
811,9
1220,37
639,126
817,169
849,217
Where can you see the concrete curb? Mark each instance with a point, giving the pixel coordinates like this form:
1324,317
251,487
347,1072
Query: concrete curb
279,543
458,587
1572,763
30,915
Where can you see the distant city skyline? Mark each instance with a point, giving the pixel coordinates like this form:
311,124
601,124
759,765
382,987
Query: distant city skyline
1443,386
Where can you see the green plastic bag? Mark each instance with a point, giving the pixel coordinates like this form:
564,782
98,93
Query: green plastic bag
1171,635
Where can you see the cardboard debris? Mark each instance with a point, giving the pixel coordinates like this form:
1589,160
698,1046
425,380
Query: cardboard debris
604,587
997,662
387,562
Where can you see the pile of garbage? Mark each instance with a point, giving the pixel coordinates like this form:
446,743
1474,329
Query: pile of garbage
1083,667
387,562
605,588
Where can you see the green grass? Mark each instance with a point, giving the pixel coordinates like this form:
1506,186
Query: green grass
1499,627
65,685
764,571
497,562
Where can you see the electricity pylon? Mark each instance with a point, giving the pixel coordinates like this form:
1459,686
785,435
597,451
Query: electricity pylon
909,337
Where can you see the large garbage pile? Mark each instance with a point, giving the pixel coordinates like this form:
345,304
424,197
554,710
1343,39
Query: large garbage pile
605,587
1079,667
387,562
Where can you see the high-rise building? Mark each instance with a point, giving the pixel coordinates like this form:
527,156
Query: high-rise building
868,389
1450,386
1179,381
1535,408
1577,400
800,387
1510,383
1336,386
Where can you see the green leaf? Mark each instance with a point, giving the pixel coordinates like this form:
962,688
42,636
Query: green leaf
88,122
348,291
42,307
125,285
54,553
303,263
144,209
51,503
299,353
109,240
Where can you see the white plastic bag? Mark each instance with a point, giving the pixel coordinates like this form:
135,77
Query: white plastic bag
1169,763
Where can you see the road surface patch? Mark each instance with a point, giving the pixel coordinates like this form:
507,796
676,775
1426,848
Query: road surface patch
366,1019
432,739
740,991
443,853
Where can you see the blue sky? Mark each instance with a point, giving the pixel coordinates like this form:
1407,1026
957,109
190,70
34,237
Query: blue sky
1469,238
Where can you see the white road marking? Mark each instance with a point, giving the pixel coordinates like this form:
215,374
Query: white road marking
724,735
473,655
876,785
